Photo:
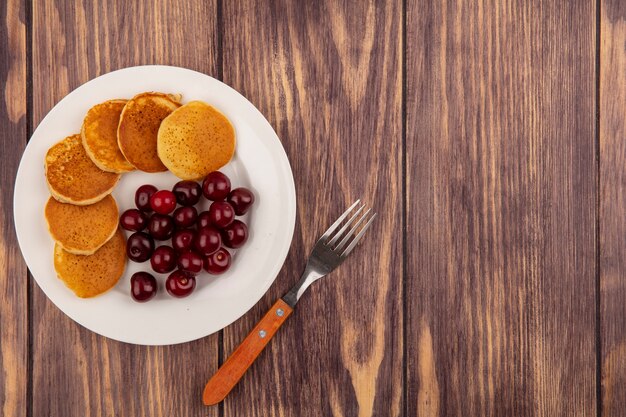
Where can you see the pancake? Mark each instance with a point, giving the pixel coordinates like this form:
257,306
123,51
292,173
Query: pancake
91,275
82,230
99,134
195,140
139,126
72,177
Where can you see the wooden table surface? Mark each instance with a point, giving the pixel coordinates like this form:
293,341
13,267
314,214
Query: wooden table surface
489,135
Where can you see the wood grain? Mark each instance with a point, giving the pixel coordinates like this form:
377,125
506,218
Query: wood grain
76,372
501,202
505,187
613,206
327,75
13,278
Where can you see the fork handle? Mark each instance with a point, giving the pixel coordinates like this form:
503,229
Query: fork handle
240,360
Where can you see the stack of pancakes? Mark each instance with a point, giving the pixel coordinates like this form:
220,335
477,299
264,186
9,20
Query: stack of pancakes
151,132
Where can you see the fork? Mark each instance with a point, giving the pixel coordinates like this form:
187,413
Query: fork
330,250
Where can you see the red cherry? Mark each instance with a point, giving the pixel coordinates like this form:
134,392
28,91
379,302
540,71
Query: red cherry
187,192
235,235
139,247
160,226
143,287
241,200
182,240
163,259
221,214
216,186
207,240
163,202
203,219
218,262
185,216
142,197
133,220
180,284
190,262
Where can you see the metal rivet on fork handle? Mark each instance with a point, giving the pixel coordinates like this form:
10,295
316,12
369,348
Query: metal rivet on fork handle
262,333
280,312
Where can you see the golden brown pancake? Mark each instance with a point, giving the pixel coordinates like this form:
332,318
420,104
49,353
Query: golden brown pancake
196,139
139,126
82,230
91,275
73,177
99,134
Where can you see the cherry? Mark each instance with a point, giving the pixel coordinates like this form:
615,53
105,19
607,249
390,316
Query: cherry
221,214
163,202
216,186
133,220
143,287
180,284
160,226
142,197
163,259
185,216
218,262
207,240
241,199
187,192
204,219
139,247
235,235
190,262
182,240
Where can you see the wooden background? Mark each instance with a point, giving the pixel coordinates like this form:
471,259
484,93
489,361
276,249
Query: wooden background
489,135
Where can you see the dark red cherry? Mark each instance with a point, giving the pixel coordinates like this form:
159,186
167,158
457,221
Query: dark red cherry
133,220
142,197
207,240
163,202
187,192
216,186
218,262
221,214
235,235
190,262
180,284
163,259
185,216
143,286
241,199
160,226
139,247
203,220
182,240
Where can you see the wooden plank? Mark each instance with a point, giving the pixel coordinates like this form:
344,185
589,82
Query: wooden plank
328,78
501,203
77,372
613,206
13,276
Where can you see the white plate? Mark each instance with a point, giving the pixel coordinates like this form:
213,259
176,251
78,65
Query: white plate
260,163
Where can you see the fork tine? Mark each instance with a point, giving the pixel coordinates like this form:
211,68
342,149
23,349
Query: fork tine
334,226
345,227
341,245
358,237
